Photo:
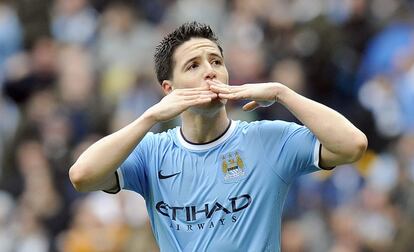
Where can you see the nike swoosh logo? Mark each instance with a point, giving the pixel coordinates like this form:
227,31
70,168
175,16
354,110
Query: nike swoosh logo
160,176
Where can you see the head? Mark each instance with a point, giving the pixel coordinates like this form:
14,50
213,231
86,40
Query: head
188,56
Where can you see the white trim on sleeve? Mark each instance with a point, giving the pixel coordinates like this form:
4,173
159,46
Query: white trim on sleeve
316,151
120,178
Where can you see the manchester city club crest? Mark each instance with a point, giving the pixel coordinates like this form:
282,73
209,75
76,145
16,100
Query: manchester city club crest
233,167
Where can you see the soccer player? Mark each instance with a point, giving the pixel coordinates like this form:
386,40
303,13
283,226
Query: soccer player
215,184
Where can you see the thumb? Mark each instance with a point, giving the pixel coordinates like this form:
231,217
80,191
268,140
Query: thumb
250,106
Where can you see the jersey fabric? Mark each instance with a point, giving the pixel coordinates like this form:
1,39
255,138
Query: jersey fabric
226,195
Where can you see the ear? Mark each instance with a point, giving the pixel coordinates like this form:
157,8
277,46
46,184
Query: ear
167,86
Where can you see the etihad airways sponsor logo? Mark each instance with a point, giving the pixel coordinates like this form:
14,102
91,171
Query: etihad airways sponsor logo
205,212
193,213
205,225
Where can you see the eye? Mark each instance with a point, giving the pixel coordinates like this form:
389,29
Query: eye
192,66
217,62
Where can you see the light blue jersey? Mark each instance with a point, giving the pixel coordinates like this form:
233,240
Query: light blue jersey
226,195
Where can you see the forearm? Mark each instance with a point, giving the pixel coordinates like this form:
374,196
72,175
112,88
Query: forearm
102,158
334,131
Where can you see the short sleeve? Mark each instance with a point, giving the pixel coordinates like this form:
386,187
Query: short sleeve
293,150
132,173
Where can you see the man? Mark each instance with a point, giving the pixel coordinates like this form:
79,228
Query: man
214,184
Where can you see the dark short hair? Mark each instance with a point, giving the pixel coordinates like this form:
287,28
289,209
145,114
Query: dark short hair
163,57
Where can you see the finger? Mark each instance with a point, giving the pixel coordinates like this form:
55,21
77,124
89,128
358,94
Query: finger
220,89
192,92
198,88
198,101
205,92
250,106
216,82
220,84
199,96
226,88
230,96
235,95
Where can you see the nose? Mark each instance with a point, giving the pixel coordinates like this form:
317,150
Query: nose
210,74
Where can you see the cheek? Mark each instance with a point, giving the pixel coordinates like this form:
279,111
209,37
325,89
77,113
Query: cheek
180,80
185,82
224,76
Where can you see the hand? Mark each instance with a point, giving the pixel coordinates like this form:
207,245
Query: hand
261,94
178,101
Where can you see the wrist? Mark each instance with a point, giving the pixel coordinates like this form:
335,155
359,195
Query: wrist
281,92
149,117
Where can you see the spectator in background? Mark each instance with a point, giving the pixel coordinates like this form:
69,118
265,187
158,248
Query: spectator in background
10,35
29,72
121,33
7,207
77,87
30,235
121,226
212,12
385,76
138,98
74,21
11,41
10,117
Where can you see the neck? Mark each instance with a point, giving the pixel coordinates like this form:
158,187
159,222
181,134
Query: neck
202,128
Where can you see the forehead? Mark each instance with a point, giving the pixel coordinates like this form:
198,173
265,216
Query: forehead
194,47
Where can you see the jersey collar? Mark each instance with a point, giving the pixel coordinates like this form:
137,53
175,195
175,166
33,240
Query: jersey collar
221,139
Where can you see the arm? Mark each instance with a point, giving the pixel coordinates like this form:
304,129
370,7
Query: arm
95,168
341,141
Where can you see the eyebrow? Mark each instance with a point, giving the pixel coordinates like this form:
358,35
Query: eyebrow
186,62
216,55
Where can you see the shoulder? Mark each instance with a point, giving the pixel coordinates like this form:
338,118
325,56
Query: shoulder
164,135
159,139
264,125
269,130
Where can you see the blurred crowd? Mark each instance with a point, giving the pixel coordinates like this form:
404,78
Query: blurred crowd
72,71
